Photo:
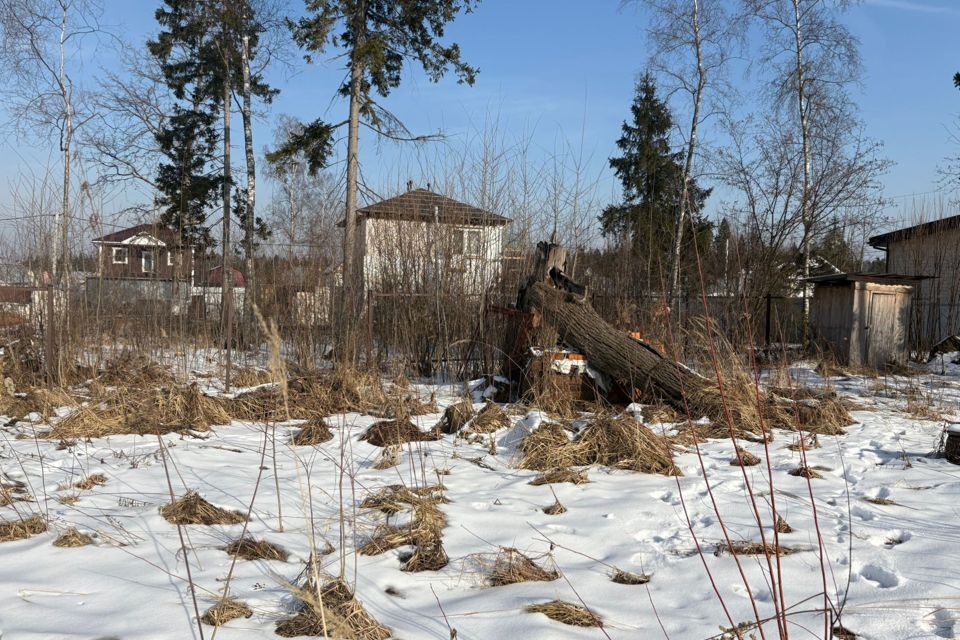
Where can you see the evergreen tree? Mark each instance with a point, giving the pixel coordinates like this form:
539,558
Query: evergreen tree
651,176
188,179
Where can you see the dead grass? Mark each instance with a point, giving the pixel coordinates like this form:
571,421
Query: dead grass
40,400
555,509
745,458
782,526
22,529
885,502
312,433
555,476
804,472
489,420
620,443
142,412
752,549
389,457
545,448
331,611
455,417
394,432
226,610
193,509
566,613
628,577
510,566
133,369
72,538
253,549
805,442
249,377
660,414
91,481
423,531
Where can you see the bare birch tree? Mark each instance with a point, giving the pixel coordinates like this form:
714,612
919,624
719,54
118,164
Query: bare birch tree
693,42
814,59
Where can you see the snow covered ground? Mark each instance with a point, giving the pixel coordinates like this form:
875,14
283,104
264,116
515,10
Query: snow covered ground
887,512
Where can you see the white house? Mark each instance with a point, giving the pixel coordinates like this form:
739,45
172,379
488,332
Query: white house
423,242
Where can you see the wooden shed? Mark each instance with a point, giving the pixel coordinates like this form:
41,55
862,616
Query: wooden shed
863,318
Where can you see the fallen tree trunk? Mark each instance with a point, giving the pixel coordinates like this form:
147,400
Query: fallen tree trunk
737,406
630,362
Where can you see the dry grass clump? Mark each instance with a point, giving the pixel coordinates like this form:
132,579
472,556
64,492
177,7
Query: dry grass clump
567,613
72,538
510,566
22,529
331,611
884,502
389,458
752,549
545,448
312,433
91,481
40,400
394,432
745,458
424,531
253,549
394,498
555,476
628,577
660,414
142,412
193,509
621,443
555,509
489,419
15,492
133,369
455,417
805,442
804,471
226,610
249,377
782,526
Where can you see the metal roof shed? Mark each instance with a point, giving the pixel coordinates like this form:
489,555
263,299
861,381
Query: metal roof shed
863,318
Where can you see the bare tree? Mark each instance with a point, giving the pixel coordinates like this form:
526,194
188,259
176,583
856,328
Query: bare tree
813,58
693,42
41,49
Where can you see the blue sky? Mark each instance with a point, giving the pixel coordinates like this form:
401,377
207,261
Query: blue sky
562,69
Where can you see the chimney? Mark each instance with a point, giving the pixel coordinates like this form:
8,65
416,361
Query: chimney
409,185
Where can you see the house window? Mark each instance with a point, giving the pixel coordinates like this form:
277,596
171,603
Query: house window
472,242
146,259
119,255
169,258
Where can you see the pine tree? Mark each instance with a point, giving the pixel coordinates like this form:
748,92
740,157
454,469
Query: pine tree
651,176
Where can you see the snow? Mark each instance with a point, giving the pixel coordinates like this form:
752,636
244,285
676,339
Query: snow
894,565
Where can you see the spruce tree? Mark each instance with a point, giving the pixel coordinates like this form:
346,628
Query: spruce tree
651,177
188,179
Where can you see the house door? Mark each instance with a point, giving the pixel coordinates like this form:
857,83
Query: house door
886,329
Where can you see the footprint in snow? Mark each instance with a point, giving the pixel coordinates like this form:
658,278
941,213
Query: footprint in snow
939,622
881,577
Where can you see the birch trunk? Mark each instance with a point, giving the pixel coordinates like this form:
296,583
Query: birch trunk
805,215
249,222
226,285
688,164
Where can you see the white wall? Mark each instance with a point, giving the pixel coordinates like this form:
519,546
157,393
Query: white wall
413,256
